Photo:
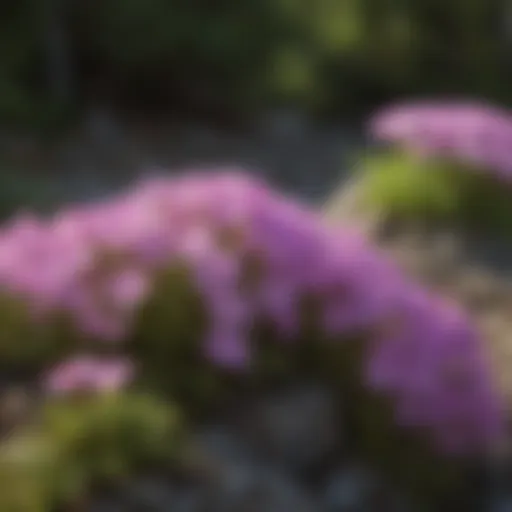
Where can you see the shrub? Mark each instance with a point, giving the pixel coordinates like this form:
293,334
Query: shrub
216,283
447,163
83,440
331,56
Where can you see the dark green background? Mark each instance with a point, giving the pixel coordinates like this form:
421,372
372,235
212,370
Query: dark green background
229,59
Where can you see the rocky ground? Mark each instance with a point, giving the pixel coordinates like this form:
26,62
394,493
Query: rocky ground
285,452
279,452
103,154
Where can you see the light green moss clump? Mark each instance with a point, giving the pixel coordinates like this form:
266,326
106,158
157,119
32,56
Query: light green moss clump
406,187
81,441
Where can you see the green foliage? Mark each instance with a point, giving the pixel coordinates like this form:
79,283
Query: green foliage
318,54
27,344
80,441
188,51
109,435
167,338
28,473
410,188
405,186
326,55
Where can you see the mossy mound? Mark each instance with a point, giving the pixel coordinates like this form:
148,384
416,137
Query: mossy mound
406,188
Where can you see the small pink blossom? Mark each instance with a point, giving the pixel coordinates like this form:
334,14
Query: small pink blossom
468,132
127,288
87,373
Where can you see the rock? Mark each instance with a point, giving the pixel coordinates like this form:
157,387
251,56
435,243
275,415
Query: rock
298,428
444,252
258,489
106,505
411,259
348,490
149,493
431,257
345,207
357,489
285,124
212,448
501,503
497,324
153,494
499,495
448,242
479,289
232,478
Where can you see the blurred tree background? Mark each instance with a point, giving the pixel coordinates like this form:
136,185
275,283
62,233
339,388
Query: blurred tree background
231,59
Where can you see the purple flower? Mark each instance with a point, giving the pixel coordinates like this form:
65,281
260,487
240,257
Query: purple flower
277,300
99,263
127,288
227,346
472,133
86,373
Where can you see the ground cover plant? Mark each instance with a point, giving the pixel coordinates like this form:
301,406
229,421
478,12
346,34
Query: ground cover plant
148,310
445,163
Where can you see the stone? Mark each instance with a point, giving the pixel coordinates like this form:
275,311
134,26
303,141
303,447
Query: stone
431,257
355,488
259,489
150,493
499,495
501,503
298,428
285,124
344,207
106,505
231,477
479,289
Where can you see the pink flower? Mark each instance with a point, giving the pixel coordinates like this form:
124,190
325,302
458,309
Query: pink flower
468,132
127,289
86,373
253,254
227,346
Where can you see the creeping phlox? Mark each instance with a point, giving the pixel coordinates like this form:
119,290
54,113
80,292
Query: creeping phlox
98,262
469,132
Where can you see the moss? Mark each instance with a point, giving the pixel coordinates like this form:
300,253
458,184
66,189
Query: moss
166,342
79,441
28,473
27,344
405,187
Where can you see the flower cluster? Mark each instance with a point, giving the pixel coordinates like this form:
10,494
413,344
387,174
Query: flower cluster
98,264
88,373
472,133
